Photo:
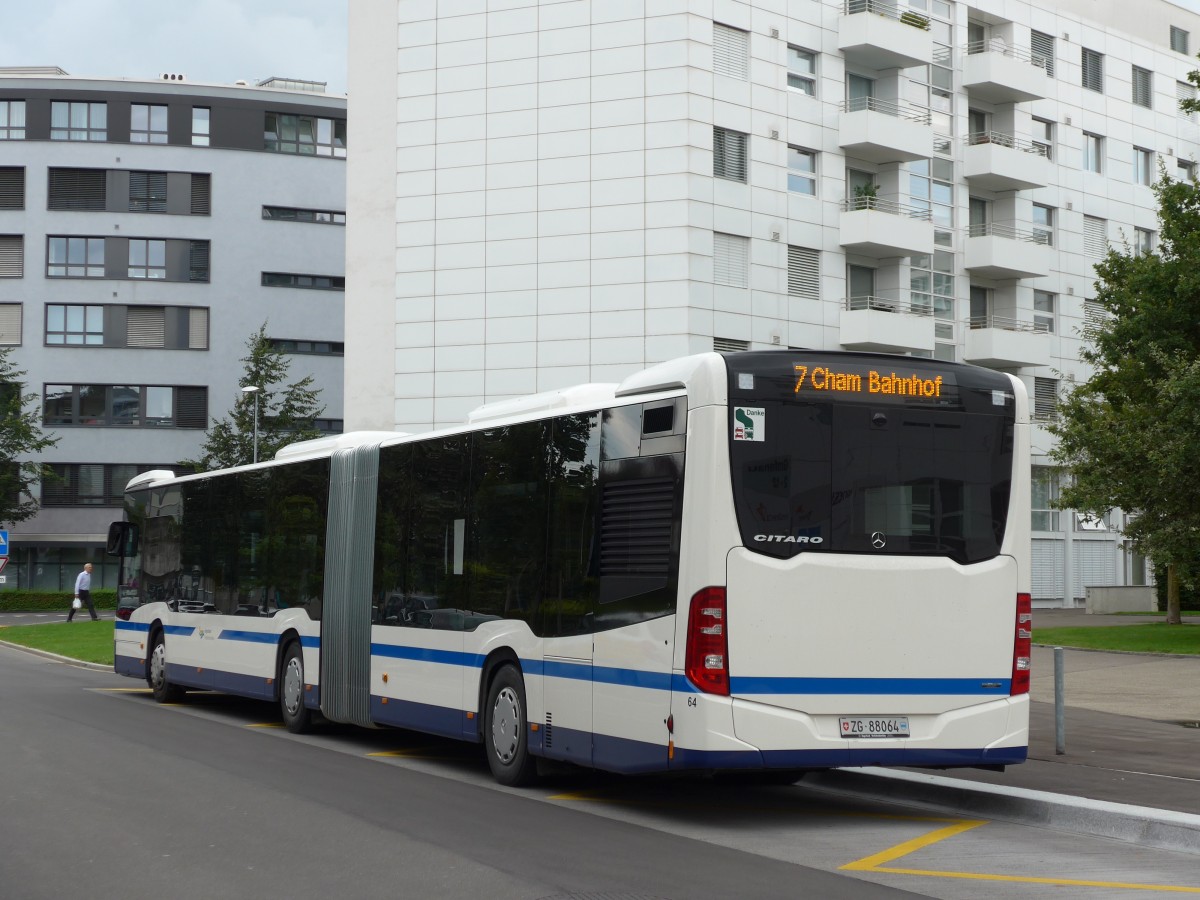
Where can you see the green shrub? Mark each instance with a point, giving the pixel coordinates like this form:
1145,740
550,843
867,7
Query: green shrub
58,601
916,21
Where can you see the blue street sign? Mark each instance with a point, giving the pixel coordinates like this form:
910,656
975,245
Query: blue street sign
3,543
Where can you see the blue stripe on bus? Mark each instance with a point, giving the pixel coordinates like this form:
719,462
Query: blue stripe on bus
179,630
252,637
426,654
311,642
122,625
830,758
859,686
133,666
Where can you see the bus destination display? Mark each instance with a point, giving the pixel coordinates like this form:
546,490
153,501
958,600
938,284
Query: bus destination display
824,378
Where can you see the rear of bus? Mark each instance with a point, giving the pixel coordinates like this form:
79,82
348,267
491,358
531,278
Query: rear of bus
875,609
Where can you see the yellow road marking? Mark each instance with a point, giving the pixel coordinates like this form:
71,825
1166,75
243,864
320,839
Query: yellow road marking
871,863
129,690
265,725
405,754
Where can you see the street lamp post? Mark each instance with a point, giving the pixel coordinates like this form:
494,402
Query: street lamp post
255,390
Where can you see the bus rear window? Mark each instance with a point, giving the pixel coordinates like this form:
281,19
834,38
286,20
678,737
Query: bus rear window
849,472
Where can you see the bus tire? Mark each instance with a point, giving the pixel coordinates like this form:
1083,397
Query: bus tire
506,732
297,717
156,672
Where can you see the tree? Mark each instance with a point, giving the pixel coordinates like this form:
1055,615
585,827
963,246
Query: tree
21,438
285,413
1129,434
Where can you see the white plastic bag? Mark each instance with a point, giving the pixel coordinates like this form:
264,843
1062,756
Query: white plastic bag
75,604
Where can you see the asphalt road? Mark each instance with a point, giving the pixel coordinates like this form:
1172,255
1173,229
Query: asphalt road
104,794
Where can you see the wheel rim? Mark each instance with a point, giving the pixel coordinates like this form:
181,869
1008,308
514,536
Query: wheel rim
506,719
293,685
158,665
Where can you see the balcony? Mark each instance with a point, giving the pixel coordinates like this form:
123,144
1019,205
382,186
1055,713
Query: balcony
1000,162
885,325
1004,251
873,226
881,131
876,35
1000,342
998,73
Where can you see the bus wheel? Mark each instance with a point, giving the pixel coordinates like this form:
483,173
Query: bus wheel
296,716
505,732
156,675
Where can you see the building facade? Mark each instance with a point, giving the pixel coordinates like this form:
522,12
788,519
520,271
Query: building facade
582,189
147,230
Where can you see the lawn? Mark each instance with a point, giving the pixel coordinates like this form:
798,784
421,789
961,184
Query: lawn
88,641
1156,638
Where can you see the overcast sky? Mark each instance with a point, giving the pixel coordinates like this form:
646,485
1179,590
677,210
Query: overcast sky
206,40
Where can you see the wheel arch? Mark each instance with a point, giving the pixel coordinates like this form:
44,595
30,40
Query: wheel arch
493,663
288,637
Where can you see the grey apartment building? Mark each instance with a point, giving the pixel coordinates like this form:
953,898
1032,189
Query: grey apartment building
147,229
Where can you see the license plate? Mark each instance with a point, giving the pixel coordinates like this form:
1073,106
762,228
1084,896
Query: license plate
874,726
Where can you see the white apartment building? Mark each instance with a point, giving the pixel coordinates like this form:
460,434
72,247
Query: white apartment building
149,227
560,192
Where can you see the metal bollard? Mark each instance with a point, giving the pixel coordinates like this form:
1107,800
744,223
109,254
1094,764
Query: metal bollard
1060,728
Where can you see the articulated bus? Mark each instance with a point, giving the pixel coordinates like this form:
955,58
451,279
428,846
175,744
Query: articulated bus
773,561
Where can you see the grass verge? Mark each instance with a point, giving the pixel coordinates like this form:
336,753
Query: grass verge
1156,638
87,641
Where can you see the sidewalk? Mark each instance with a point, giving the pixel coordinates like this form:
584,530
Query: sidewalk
1132,736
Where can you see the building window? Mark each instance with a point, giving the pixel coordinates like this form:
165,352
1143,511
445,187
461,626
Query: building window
1043,224
1143,166
731,52
729,154
1185,170
1185,90
12,120
804,273
802,70
931,285
1143,87
802,171
77,189
931,187
292,214
92,484
12,255
1093,70
329,426
1093,153
731,258
1143,241
75,257
78,121
318,348
1044,484
1045,399
1044,304
10,324
148,192
147,123
729,345
1042,50
201,124
147,258
306,135
1179,40
309,282
1043,137
143,406
1095,237
75,325
12,187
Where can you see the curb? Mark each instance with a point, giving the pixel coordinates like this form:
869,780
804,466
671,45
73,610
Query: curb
45,654
1165,829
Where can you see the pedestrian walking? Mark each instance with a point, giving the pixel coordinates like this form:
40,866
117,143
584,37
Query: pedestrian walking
83,593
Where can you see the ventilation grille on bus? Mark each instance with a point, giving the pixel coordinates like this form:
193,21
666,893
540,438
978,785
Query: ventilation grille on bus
548,733
636,525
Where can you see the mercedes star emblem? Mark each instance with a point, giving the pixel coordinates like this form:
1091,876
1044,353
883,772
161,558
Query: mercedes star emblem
878,540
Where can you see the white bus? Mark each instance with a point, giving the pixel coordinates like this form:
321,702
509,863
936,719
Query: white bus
776,561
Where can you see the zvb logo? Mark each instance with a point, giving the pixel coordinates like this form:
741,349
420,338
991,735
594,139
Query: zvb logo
878,540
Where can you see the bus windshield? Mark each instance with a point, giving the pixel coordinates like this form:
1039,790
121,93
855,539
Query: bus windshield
857,453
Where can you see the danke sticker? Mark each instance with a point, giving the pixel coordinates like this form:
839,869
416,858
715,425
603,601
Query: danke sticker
749,423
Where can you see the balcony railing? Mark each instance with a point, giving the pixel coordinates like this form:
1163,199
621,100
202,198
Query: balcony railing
888,108
1009,231
995,45
888,10
1007,323
1006,140
891,207
887,304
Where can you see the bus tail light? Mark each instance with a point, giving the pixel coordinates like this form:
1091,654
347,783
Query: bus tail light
707,657
1022,646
